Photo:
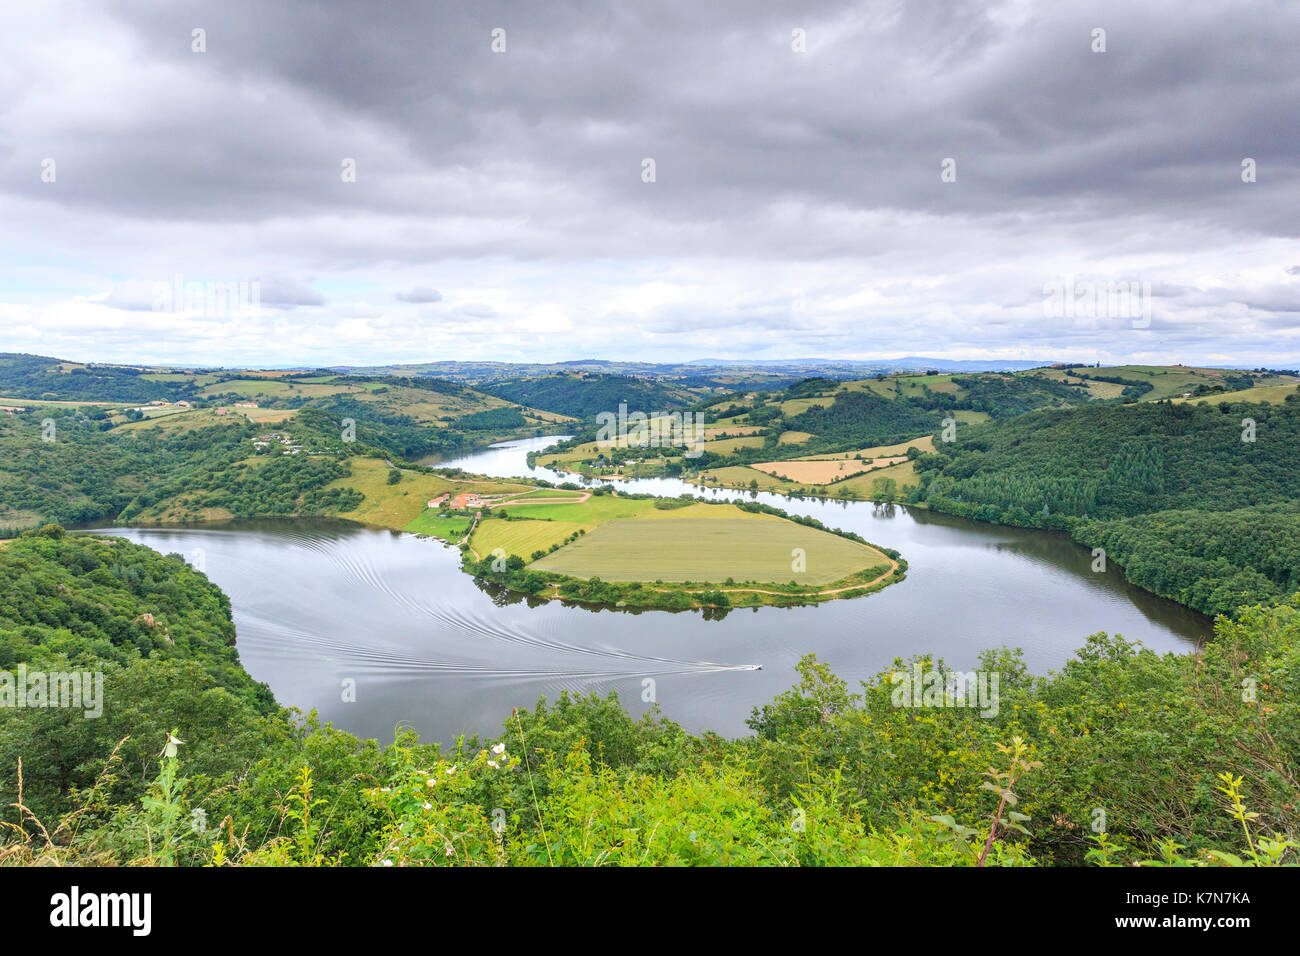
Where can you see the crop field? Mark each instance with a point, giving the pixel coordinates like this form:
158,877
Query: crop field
750,548
823,472
924,443
742,475
904,473
793,438
519,537
726,446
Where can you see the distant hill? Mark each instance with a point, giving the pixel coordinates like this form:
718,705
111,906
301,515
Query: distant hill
733,374
49,379
585,395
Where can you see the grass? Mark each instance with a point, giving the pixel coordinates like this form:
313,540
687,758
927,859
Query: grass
396,506
904,473
755,548
924,443
793,438
740,476
450,529
726,446
521,537
253,389
1267,394
796,406
822,472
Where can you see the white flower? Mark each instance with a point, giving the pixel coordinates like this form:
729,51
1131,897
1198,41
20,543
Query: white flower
451,769
428,806
492,764
388,863
450,849
431,781
499,749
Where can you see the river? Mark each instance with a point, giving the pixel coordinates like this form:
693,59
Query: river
379,629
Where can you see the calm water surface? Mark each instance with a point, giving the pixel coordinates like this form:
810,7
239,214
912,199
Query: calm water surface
317,603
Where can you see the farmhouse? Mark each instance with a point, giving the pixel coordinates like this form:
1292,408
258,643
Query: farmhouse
467,501
434,502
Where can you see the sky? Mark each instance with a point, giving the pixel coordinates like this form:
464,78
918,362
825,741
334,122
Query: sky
652,181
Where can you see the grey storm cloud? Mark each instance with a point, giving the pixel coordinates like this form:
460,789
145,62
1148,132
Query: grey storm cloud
816,172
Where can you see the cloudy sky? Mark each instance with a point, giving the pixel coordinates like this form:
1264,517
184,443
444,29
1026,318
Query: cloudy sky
431,180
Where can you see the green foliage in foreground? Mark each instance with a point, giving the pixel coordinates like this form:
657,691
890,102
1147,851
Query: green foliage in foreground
1123,756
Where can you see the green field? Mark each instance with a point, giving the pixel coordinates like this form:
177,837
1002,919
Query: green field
1267,394
520,537
450,529
750,548
725,446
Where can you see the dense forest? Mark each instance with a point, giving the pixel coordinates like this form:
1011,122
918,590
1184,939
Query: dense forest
1193,501
88,473
1121,756
38,377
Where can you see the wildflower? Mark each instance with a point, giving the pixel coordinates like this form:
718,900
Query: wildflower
492,764
428,806
431,781
388,863
451,769
499,749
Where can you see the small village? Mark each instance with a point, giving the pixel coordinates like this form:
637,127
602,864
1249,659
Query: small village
263,443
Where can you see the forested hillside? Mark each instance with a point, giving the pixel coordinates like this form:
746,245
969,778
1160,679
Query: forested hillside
832,774
38,377
1210,560
1214,484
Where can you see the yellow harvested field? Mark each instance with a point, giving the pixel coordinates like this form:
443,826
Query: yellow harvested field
793,438
924,443
823,472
